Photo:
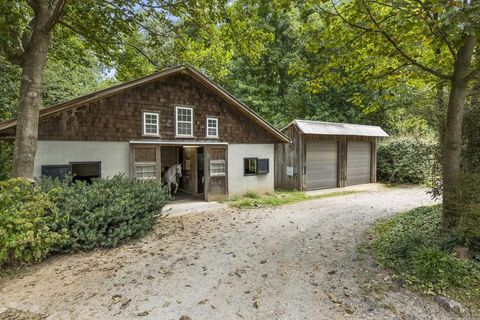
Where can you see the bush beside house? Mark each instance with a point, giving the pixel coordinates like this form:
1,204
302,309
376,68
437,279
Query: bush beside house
406,160
52,216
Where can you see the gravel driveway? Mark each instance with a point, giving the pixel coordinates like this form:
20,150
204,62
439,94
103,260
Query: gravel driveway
299,261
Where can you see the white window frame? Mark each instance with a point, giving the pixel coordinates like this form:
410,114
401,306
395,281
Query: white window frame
145,133
190,122
146,164
217,174
216,127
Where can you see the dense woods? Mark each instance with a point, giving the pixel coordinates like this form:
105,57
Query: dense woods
409,66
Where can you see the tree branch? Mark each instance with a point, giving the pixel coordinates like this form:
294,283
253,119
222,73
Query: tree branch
55,15
83,34
473,74
400,51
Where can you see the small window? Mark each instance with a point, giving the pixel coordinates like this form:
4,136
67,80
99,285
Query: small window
250,166
145,171
212,128
217,168
86,171
150,123
56,171
263,166
184,121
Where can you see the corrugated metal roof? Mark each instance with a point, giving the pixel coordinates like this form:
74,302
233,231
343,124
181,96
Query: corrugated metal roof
341,129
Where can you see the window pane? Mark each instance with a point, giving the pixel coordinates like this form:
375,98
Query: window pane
212,127
250,166
145,172
217,167
151,123
184,128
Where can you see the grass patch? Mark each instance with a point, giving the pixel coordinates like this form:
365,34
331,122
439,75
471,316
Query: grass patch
412,245
252,200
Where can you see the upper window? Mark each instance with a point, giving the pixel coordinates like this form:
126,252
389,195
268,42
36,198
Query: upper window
151,123
212,127
184,121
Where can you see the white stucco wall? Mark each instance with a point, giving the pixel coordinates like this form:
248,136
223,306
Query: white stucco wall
114,156
238,184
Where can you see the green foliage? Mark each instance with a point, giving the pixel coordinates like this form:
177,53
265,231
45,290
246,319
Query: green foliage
412,244
405,160
468,202
6,153
471,137
253,200
30,224
397,238
108,211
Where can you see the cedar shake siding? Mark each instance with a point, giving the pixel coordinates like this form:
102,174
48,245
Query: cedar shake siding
119,117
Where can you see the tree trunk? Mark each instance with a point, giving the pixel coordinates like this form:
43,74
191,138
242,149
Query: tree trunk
453,132
33,63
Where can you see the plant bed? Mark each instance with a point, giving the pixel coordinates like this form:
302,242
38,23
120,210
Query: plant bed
253,200
413,247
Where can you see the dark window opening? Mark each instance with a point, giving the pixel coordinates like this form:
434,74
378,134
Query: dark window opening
56,171
86,171
250,166
263,166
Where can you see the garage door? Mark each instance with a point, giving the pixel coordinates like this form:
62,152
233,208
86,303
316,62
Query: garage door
358,163
321,165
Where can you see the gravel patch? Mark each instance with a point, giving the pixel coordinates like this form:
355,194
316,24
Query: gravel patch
300,261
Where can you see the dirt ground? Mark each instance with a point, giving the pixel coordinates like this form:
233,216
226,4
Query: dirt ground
300,261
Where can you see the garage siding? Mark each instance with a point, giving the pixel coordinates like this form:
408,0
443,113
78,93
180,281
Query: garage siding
358,162
321,164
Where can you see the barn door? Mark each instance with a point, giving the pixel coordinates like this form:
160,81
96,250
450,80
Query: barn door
358,162
321,164
215,173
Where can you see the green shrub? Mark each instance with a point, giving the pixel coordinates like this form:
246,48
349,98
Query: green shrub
413,245
397,238
405,160
468,202
28,218
437,269
108,211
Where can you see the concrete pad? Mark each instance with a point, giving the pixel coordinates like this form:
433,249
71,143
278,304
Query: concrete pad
358,188
188,206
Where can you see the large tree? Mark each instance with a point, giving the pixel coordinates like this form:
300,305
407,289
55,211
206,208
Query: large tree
434,40
103,26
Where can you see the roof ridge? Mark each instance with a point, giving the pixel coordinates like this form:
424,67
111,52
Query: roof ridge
340,123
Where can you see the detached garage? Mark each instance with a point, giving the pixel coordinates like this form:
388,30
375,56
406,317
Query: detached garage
326,155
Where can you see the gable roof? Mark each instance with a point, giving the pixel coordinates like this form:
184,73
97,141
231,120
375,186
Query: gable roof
192,72
340,129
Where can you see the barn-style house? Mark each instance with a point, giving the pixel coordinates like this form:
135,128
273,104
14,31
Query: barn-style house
142,127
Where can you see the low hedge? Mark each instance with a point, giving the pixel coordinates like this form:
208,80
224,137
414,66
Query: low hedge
52,216
107,211
405,160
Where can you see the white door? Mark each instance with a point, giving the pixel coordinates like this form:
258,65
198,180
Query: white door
358,162
321,165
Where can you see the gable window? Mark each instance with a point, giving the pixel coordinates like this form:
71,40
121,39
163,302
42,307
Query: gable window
212,128
151,123
184,121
